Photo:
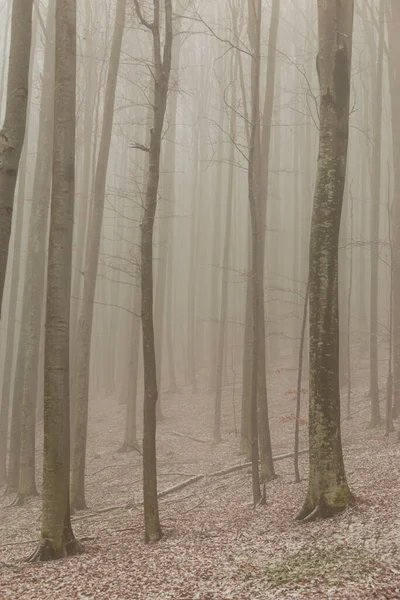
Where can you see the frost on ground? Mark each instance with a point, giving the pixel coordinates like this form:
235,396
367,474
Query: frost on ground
215,546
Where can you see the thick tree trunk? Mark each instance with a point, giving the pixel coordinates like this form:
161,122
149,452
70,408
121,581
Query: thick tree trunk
12,133
90,275
57,538
328,491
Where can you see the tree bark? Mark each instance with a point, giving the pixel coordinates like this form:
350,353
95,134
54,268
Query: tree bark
12,133
78,501
35,274
394,85
375,221
328,491
6,396
225,273
57,539
267,466
162,70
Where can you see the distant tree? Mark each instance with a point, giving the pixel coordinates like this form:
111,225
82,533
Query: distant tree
221,340
328,491
27,375
161,73
394,86
57,538
85,322
12,134
376,170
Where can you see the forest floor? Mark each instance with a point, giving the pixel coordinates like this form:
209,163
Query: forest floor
215,545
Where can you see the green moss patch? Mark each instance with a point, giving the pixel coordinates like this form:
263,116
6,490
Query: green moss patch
332,566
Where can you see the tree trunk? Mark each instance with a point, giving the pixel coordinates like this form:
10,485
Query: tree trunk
130,439
78,501
12,133
375,221
328,491
298,391
394,84
225,270
257,247
35,275
6,396
162,70
215,327
267,465
57,538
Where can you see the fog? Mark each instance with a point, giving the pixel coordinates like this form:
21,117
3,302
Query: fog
201,275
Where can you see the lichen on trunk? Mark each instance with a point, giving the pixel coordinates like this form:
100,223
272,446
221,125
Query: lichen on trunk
328,491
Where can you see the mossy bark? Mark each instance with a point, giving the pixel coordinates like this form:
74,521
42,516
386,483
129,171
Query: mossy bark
328,491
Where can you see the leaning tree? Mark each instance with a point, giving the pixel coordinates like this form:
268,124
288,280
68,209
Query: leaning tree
328,491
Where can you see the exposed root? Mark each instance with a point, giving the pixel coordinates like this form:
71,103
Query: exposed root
46,552
313,516
304,512
20,499
320,511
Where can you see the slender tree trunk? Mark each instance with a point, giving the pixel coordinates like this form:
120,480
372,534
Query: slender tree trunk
6,396
216,256
349,300
257,237
375,221
162,70
298,391
389,386
12,133
57,539
328,491
225,273
394,83
130,438
35,275
267,465
78,501
245,432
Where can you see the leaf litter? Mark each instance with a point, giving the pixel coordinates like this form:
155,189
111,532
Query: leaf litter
215,545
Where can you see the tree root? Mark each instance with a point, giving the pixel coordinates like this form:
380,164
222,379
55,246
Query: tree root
46,552
20,499
320,511
77,505
313,516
